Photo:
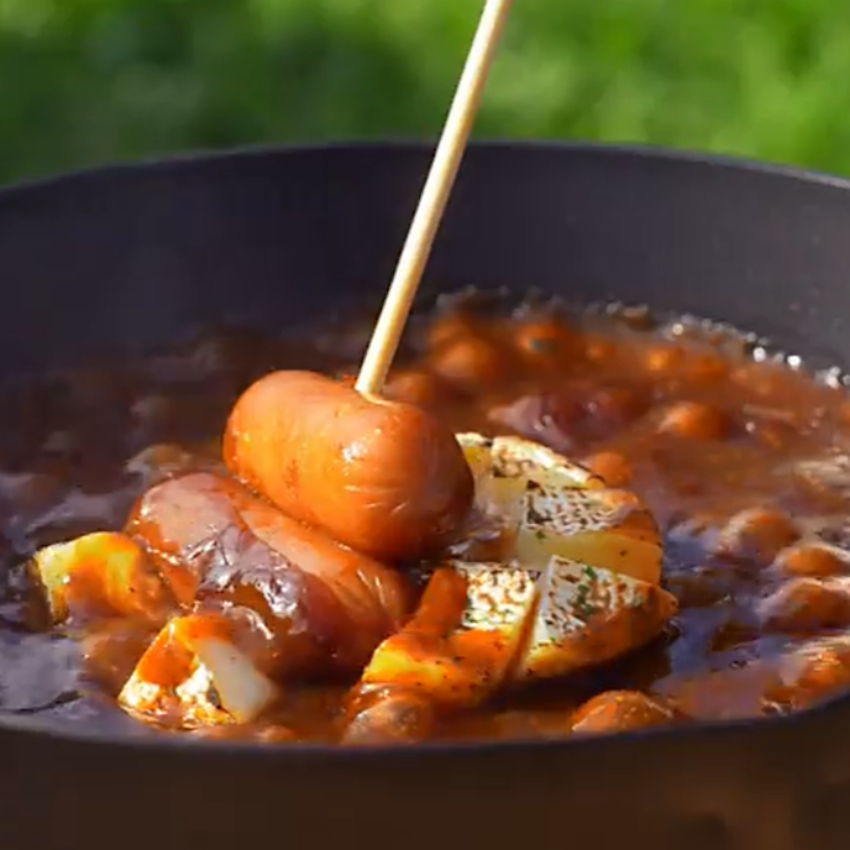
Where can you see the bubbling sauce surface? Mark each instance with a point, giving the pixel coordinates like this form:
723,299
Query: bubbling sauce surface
744,464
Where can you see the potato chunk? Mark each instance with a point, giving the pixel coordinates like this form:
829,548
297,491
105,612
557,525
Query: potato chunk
517,624
195,675
558,573
545,505
436,655
587,616
100,574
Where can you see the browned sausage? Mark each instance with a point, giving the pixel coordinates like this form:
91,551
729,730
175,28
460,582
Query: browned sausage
389,715
385,478
325,604
619,711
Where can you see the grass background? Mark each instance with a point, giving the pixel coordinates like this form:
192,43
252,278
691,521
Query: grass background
87,81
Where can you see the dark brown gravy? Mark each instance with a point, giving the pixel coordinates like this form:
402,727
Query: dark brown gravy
702,432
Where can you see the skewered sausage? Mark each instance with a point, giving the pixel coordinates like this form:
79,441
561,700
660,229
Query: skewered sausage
385,478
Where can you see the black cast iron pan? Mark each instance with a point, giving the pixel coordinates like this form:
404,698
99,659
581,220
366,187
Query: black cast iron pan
128,258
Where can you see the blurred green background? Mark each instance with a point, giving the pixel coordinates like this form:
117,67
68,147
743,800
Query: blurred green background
86,81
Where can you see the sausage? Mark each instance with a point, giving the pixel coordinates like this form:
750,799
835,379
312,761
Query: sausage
389,716
619,711
216,544
383,477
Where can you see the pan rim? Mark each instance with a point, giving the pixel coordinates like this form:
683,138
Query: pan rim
637,151
182,745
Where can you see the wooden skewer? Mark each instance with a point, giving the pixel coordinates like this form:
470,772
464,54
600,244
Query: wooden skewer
435,194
